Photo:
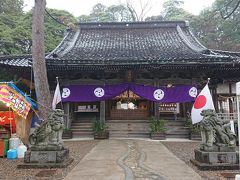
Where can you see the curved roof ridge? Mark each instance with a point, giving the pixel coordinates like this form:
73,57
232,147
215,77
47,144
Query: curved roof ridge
188,43
198,42
65,45
16,56
141,24
223,51
54,51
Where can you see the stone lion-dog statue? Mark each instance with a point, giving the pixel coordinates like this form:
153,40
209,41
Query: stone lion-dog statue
214,132
48,135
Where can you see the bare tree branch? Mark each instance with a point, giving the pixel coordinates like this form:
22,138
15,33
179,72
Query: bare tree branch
144,9
232,11
132,11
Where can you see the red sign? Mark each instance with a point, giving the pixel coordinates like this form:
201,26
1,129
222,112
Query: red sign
13,99
7,118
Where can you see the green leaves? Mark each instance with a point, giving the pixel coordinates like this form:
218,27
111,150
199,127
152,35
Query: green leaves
157,125
215,32
99,126
101,13
16,28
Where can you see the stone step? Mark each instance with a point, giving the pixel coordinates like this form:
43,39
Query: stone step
129,130
140,128
79,130
82,121
81,126
127,121
82,133
178,133
175,123
181,136
82,136
82,130
178,130
127,124
128,135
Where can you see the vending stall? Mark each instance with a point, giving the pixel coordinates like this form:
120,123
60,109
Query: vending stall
16,111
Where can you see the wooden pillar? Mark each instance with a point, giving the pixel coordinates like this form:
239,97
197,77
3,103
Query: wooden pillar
156,110
230,100
156,104
66,108
184,111
102,111
215,97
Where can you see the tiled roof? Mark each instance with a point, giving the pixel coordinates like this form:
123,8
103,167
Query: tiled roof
16,61
126,44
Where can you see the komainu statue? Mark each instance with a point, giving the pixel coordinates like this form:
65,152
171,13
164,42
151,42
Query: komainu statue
48,135
214,132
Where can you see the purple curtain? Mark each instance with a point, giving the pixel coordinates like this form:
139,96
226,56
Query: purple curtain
90,93
167,95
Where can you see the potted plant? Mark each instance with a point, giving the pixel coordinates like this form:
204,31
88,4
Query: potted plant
100,130
194,133
67,133
158,128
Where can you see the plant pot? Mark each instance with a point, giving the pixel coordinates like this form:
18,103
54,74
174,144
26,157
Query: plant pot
101,135
158,135
67,135
195,136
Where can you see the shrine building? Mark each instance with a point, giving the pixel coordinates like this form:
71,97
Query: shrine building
124,73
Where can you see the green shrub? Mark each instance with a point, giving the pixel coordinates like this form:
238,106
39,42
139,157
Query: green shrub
99,126
157,125
67,130
193,127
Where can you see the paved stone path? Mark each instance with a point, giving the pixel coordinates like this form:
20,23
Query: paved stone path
131,159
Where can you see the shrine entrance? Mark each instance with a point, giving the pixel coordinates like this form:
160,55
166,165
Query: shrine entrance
128,106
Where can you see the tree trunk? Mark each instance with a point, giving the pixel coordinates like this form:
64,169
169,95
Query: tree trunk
38,55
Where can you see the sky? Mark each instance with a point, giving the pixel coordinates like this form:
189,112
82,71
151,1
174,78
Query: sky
80,7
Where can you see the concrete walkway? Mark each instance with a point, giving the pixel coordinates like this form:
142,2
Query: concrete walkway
131,159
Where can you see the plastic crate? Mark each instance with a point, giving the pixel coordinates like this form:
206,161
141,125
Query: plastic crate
3,147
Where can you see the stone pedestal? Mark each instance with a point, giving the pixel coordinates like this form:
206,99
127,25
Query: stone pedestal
46,159
216,160
158,135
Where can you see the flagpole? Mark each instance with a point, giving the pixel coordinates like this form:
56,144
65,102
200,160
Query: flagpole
208,80
238,112
61,101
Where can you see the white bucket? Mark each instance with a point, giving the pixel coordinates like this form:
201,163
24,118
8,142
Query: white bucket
237,177
14,142
21,150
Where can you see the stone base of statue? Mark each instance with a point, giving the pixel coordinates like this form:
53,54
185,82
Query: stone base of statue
217,158
218,148
46,159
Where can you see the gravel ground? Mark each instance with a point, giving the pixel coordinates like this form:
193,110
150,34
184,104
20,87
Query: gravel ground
185,152
78,149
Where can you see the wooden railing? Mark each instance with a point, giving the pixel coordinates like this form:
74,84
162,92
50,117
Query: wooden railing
228,116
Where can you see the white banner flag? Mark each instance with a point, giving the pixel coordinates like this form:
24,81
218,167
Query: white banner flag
56,97
204,101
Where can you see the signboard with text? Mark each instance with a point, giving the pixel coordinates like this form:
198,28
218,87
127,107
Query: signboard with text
14,100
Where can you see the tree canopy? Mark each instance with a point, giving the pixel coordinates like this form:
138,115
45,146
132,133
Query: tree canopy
101,13
15,28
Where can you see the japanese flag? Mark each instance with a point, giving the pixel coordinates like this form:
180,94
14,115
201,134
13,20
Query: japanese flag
204,101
